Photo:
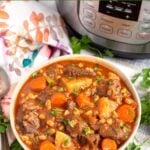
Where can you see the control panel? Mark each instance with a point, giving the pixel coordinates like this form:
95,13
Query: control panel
123,9
125,21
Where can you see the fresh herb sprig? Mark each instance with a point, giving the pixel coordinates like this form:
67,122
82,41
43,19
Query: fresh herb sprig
137,145
144,81
145,103
4,123
15,146
145,76
84,43
133,146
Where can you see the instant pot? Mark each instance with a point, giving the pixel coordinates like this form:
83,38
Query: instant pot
120,25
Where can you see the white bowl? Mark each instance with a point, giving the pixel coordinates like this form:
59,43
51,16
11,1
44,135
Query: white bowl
93,59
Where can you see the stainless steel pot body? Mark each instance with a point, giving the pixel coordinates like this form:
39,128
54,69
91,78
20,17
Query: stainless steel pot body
126,33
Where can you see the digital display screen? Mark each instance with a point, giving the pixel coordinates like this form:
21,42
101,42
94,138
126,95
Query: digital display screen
124,9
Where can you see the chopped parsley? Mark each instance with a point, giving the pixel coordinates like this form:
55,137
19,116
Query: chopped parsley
99,79
88,130
96,68
76,91
41,102
68,122
66,142
65,122
71,123
56,112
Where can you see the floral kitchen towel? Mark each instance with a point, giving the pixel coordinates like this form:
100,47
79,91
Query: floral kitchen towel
30,33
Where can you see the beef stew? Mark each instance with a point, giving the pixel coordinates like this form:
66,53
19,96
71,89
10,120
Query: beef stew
75,105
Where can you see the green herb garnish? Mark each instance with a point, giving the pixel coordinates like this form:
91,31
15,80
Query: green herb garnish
50,81
135,77
56,112
133,146
71,123
66,142
145,75
15,146
79,44
84,43
53,112
88,130
50,131
65,122
68,122
145,103
41,102
137,145
108,53
76,91
99,79
4,123
96,68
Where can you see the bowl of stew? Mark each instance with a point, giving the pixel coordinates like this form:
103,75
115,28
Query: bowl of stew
75,102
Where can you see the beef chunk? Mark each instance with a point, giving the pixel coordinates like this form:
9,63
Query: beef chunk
89,141
93,140
102,88
20,114
113,131
71,105
114,91
82,140
77,72
30,128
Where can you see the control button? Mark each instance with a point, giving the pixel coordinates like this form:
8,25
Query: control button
118,8
145,25
89,14
90,3
88,22
129,11
124,33
147,11
143,36
106,28
109,6
146,18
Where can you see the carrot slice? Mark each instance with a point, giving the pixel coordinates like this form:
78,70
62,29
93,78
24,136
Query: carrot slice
109,144
58,100
84,101
38,84
126,113
47,145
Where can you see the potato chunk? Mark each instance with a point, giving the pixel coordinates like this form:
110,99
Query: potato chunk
63,139
77,84
106,107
